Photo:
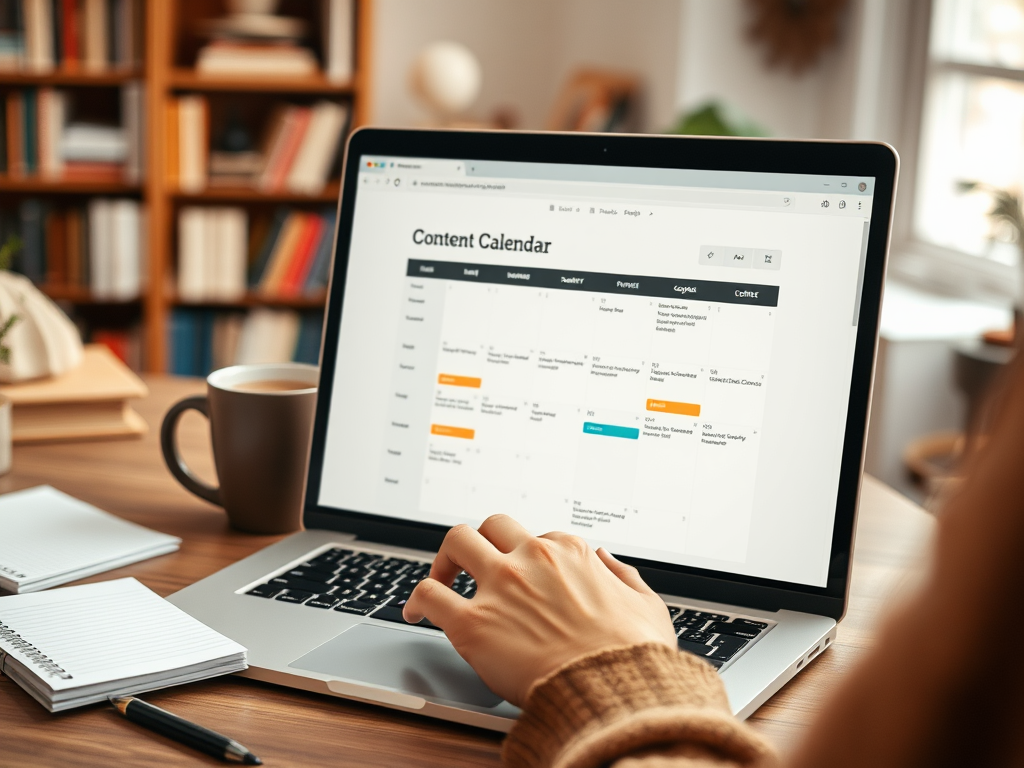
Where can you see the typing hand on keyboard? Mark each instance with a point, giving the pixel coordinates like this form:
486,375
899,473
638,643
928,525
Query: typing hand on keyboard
540,603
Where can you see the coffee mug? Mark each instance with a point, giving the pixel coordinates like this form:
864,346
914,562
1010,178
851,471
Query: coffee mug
260,422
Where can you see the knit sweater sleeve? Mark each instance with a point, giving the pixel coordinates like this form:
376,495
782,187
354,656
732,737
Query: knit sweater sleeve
641,706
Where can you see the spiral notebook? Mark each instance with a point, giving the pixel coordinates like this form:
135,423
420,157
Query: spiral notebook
49,538
78,645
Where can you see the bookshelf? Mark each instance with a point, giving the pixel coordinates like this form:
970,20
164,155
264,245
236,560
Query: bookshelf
169,44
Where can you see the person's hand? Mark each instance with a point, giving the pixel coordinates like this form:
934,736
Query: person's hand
541,602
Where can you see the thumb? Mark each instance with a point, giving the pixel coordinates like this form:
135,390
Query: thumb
629,575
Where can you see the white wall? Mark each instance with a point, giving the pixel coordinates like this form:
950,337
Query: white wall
686,51
527,48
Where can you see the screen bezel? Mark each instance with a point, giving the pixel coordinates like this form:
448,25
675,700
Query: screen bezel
722,154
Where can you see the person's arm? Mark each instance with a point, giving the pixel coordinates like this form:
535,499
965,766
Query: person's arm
944,685
578,640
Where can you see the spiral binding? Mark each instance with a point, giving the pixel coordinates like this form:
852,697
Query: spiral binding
40,660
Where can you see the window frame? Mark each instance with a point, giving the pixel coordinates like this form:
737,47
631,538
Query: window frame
912,258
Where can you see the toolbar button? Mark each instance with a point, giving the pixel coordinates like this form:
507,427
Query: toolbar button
712,255
764,259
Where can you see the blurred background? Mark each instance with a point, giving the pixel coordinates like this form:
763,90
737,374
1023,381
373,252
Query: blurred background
169,168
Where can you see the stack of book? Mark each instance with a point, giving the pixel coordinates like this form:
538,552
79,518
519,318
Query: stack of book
36,138
212,253
262,45
294,257
203,340
95,35
220,258
98,246
298,151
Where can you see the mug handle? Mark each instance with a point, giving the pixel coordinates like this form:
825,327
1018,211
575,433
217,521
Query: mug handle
172,456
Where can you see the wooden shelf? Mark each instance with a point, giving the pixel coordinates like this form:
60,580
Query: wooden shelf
86,78
314,301
190,80
78,294
36,185
250,194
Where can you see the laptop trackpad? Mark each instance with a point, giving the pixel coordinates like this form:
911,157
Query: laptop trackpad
413,662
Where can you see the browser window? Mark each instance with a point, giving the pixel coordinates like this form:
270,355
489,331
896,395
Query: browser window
656,360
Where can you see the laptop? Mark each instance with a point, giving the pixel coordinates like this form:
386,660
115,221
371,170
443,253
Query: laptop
663,345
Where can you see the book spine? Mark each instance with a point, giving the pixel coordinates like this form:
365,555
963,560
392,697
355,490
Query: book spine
339,43
15,139
295,270
259,265
71,53
292,142
33,240
30,143
319,272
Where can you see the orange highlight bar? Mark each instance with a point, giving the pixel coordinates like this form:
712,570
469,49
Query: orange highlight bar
441,429
667,406
458,381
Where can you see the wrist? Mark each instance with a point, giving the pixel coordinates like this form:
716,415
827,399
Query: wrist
604,693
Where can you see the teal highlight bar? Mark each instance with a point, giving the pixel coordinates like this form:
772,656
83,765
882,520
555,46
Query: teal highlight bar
610,430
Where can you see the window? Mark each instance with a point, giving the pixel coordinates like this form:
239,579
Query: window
972,126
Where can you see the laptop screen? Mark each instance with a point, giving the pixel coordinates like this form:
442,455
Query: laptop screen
657,360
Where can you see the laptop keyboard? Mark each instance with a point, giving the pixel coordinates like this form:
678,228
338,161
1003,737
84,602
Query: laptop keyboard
363,583
717,637
370,584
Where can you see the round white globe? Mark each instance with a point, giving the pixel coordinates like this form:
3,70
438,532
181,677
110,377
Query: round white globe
447,76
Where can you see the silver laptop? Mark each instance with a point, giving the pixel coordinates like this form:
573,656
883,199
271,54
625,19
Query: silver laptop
663,345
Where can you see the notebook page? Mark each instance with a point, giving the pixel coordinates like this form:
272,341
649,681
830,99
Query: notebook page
44,532
106,631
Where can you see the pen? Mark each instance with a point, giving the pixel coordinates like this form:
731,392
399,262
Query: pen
179,729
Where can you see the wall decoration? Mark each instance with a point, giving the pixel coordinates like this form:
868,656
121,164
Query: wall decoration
795,33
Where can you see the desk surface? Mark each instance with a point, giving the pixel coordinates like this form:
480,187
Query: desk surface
293,728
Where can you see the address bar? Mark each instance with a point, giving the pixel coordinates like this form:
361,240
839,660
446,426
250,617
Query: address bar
621,193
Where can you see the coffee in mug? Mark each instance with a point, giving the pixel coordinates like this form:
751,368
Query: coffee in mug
261,417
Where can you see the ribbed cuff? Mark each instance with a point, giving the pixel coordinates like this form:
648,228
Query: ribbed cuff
618,701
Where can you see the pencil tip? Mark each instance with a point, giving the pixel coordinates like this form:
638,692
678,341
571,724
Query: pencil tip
251,759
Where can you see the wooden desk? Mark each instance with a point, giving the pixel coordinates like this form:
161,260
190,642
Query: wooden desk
292,728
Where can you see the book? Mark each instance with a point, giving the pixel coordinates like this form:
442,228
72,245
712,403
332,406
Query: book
32,262
29,135
212,251
89,402
56,248
222,57
192,143
92,142
338,39
319,271
268,336
70,39
80,645
286,142
15,123
307,348
52,107
125,250
38,18
284,249
266,249
133,108
312,164
51,538
294,273
12,36
94,34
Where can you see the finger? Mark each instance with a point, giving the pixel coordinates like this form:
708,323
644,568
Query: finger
435,601
629,575
463,549
504,532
